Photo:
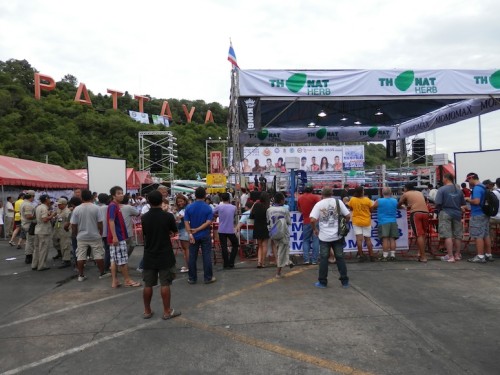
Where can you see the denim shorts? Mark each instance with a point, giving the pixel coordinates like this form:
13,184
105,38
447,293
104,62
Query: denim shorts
183,235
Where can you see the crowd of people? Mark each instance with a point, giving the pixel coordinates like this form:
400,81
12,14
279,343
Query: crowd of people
100,228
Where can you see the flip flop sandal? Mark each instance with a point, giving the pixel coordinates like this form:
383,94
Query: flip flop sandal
173,314
133,284
148,316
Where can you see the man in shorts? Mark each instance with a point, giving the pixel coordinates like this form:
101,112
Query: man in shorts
388,232
450,203
117,239
86,227
479,225
419,216
159,258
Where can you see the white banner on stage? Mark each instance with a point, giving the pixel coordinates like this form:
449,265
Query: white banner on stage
401,243
368,83
448,115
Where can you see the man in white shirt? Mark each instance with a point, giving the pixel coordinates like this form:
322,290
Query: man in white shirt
9,217
325,215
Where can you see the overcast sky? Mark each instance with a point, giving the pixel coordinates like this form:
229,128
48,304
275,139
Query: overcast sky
178,49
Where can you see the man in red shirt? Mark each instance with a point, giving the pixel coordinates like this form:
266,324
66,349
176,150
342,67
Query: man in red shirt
305,204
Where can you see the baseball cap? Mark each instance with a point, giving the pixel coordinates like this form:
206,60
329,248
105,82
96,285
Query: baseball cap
488,182
471,176
497,181
308,187
31,192
62,201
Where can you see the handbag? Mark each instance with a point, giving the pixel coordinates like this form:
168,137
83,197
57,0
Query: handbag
31,230
343,226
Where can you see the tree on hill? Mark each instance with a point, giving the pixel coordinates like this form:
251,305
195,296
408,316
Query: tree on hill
66,132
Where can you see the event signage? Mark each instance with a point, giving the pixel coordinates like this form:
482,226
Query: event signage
450,114
319,159
319,135
249,113
401,243
368,83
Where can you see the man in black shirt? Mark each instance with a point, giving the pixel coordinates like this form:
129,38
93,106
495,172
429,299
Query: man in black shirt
159,258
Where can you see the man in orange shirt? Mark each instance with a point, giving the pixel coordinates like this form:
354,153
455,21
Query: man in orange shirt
419,216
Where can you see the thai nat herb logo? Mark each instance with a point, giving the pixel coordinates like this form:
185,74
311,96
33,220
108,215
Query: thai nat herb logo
374,132
494,80
422,85
264,134
297,81
324,134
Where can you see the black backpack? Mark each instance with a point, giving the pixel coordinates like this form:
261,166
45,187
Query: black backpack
490,204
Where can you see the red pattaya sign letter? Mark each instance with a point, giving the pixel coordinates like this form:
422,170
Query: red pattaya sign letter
141,100
189,115
82,89
165,110
49,86
209,117
115,95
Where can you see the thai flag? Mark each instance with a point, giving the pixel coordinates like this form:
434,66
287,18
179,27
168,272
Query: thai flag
231,56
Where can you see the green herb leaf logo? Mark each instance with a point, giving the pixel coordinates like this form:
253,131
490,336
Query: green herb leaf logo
320,134
263,134
372,132
495,79
296,82
404,80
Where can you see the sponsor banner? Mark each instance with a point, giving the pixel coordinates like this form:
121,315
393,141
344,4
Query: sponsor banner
448,115
319,135
324,83
161,120
139,117
216,162
320,159
401,243
249,113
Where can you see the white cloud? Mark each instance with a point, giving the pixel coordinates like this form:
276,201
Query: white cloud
179,49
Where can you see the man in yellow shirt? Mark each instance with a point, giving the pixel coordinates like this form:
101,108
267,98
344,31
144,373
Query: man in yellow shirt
17,221
361,207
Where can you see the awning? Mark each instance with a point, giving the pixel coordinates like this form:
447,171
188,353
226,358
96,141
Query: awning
21,172
144,177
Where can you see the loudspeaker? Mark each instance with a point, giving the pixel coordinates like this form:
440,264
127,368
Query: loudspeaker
418,150
390,149
155,154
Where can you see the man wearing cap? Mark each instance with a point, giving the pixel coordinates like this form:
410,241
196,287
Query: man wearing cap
27,212
479,225
43,233
310,241
62,234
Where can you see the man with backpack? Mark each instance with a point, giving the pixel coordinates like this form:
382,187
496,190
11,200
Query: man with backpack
495,220
479,225
278,220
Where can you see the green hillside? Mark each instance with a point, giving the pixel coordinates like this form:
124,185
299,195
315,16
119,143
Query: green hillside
65,132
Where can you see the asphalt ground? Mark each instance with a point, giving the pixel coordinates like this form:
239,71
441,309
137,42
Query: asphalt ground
396,318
